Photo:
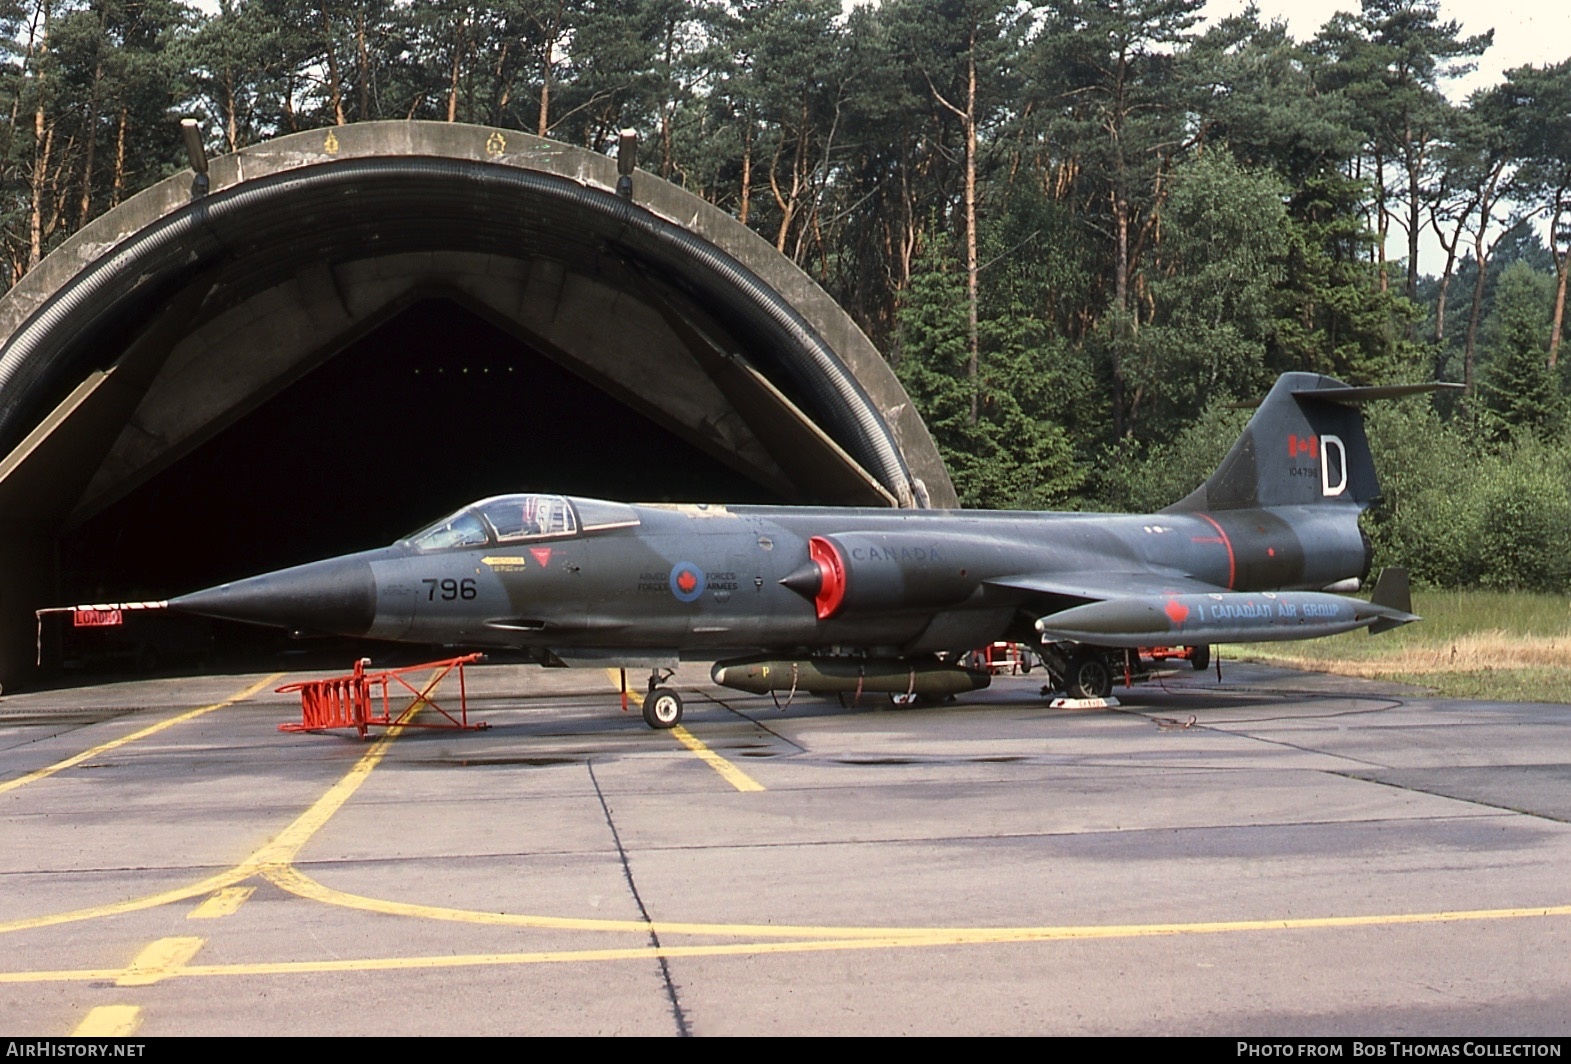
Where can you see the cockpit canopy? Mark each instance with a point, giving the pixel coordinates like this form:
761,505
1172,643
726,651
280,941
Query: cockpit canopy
520,519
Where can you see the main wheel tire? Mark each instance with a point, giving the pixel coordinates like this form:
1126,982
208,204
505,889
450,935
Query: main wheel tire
662,708
1090,676
1200,657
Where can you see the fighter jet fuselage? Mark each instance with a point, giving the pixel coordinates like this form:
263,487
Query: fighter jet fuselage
831,599
706,581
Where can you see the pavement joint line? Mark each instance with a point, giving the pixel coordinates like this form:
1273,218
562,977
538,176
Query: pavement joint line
224,902
274,861
141,733
160,960
109,1021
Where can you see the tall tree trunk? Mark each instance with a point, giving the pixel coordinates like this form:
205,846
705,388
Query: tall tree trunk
44,139
1414,165
788,202
545,87
967,118
1470,349
118,188
1382,223
747,171
231,105
504,84
1413,212
85,207
1563,268
547,61
668,107
973,366
363,67
335,85
458,68
1445,277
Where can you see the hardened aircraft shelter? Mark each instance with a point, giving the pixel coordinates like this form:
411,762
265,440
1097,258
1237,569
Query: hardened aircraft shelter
328,339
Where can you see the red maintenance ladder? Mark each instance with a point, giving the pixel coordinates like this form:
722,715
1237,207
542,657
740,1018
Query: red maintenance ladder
351,701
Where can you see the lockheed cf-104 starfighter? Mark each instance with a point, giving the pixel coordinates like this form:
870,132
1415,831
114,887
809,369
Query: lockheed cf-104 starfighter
829,600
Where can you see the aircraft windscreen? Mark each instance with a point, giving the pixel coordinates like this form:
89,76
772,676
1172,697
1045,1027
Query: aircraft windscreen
463,529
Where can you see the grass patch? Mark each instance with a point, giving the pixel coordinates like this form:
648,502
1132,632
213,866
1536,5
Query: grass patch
1471,644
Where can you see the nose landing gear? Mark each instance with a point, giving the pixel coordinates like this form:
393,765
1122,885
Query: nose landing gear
662,705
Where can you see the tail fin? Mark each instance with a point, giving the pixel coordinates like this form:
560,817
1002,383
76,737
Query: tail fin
1305,445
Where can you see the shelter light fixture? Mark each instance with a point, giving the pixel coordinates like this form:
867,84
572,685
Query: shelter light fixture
191,131
626,161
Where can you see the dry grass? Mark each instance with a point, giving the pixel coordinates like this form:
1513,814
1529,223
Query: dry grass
1495,649
1469,645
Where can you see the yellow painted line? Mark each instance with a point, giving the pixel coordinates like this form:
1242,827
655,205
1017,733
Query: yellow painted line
283,849
728,772
633,694
151,901
280,851
223,903
297,882
159,961
109,1021
893,939
152,729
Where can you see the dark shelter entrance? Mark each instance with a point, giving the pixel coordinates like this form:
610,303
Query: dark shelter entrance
433,410
337,336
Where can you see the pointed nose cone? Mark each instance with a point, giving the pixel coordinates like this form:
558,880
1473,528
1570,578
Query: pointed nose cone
333,597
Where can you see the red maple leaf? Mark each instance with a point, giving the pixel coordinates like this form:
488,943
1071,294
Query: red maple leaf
686,580
1176,611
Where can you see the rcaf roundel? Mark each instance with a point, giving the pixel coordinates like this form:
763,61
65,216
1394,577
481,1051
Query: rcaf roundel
687,581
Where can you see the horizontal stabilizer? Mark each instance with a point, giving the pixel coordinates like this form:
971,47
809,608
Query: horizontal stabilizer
1392,594
1377,391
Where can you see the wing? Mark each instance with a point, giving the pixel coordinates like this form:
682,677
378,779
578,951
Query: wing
1070,588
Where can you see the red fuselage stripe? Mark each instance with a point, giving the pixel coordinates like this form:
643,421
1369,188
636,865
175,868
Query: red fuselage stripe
1232,567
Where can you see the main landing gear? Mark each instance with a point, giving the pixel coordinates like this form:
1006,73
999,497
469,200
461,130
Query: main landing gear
662,705
1089,675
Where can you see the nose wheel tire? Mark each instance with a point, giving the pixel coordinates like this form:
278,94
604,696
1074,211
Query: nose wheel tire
662,708
1089,676
1200,657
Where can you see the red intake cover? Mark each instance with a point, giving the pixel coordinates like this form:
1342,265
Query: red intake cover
832,576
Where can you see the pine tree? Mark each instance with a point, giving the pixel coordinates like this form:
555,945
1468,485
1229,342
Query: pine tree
1519,393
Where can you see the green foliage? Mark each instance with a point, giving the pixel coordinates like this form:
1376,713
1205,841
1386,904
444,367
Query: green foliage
1458,516
1518,393
1524,511
1222,258
1332,316
1143,479
1427,518
1168,215
1006,458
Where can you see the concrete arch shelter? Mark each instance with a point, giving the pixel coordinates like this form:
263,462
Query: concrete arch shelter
341,332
